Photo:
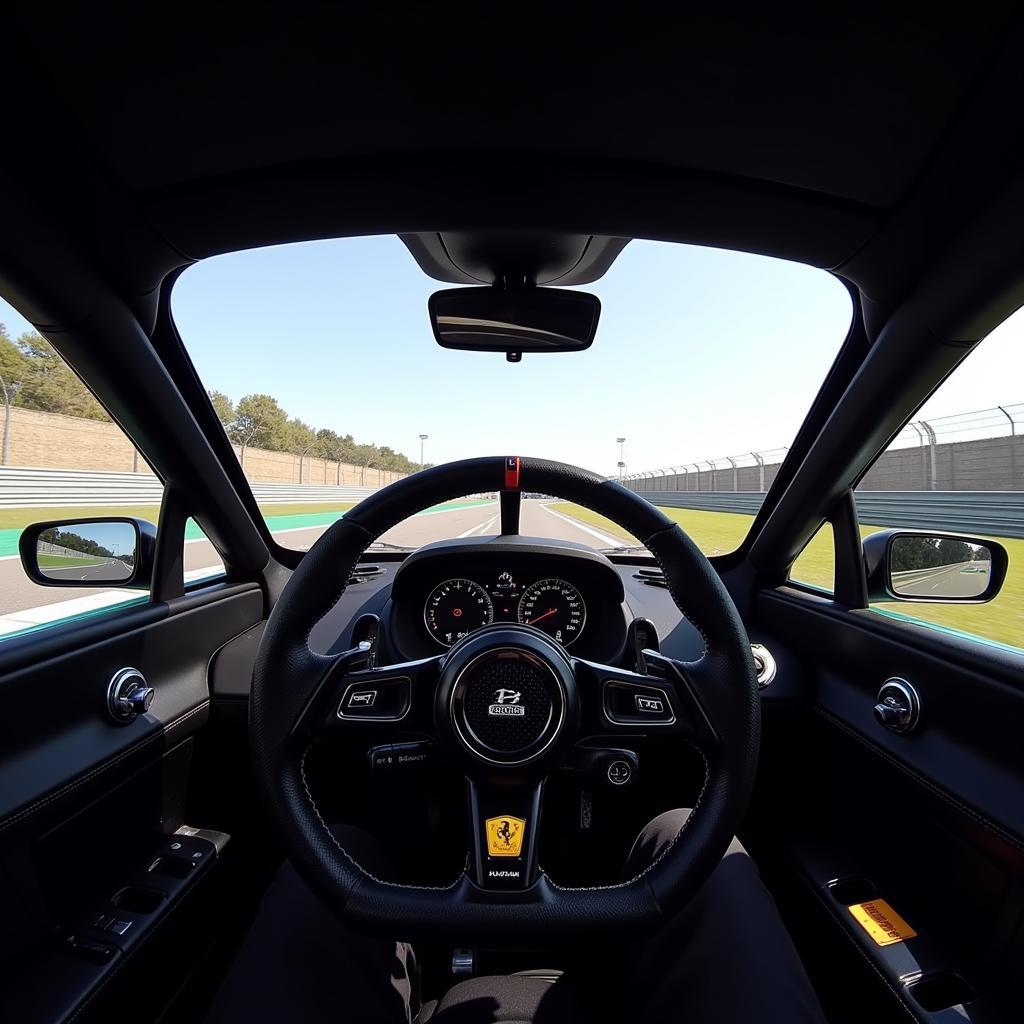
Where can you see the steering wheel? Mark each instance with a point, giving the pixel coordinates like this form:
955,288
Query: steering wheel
463,697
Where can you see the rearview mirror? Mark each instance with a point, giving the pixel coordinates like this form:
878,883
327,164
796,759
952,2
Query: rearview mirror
88,552
514,320
910,565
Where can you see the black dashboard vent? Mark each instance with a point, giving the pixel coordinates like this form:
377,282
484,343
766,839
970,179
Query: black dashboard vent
363,572
652,577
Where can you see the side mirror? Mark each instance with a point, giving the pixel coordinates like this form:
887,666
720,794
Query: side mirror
89,552
917,565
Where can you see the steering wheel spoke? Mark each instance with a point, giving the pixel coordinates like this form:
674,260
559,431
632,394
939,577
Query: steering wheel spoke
504,816
353,697
665,699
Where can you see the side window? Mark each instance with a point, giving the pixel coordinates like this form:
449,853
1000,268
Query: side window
816,565
958,467
201,561
61,457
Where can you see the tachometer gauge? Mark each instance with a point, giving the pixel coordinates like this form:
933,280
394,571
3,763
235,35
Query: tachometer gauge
455,608
556,607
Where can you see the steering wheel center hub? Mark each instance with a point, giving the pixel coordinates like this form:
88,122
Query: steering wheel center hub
508,696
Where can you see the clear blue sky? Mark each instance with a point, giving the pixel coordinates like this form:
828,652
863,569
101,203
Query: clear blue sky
116,537
700,353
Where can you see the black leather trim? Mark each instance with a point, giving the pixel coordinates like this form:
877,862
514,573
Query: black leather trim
71,745
966,751
168,734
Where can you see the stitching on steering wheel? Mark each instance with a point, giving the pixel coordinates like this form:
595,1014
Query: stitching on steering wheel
452,885
348,856
675,597
658,533
664,853
348,572
371,537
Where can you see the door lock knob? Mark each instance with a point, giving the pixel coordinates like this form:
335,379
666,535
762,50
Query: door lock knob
137,701
128,695
898,707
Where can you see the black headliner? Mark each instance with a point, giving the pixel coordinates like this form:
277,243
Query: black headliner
841,103
854,141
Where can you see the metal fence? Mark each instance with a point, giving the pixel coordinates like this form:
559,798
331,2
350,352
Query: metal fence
64,488
975,451
997,513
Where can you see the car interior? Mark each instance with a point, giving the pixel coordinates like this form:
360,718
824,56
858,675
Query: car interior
161,761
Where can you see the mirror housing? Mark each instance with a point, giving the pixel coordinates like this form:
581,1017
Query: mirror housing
101,552
925,566
514,320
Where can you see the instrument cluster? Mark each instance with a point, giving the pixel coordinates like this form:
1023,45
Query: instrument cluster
445,591
456,607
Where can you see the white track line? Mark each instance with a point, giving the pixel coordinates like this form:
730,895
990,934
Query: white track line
480,528
26,618
606,541
458,508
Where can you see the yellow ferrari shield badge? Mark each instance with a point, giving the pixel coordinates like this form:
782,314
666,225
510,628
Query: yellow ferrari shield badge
505,836
881,922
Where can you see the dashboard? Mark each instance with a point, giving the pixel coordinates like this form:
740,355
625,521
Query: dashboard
445,591
394,590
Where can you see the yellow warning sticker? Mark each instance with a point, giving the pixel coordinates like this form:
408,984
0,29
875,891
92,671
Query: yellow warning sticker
881,922
505,836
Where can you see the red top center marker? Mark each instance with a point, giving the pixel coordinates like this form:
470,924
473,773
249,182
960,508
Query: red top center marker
512,473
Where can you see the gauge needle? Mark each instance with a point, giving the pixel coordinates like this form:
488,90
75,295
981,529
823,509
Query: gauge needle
540,618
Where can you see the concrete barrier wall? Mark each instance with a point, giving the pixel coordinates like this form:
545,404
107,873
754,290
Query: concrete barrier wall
44,440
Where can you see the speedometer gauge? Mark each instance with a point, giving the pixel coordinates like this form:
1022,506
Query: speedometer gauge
455,608
555,607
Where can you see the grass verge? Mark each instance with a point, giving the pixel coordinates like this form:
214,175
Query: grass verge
1001,620
62,561
18,518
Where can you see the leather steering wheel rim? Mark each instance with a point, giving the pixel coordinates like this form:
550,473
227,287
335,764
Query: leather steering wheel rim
287,673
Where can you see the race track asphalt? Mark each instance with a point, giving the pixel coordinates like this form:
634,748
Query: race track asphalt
17,592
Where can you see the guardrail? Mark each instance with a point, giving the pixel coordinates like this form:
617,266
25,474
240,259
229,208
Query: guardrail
997,513
22,487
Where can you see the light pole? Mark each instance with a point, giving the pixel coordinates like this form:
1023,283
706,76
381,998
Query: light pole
621,441
10,391
423,437
302,455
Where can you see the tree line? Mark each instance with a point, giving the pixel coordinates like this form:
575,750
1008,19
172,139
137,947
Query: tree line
76,542
34,376
922,552
258,421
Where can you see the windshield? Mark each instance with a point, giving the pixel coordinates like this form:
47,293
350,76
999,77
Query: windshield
321,364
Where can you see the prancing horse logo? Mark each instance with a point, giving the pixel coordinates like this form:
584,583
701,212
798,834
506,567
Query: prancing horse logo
504,837
506,702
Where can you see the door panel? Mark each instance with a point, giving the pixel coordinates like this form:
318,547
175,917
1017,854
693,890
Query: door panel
932,821
968,744
54,732
87,803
